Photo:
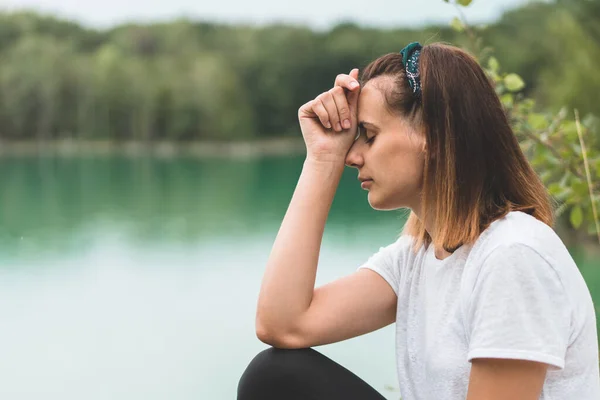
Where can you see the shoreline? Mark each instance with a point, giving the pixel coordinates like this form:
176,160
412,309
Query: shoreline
160,149
249,149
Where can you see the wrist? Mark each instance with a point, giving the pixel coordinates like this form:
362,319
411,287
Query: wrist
330,170
330,162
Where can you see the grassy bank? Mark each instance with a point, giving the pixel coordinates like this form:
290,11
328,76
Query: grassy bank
205,148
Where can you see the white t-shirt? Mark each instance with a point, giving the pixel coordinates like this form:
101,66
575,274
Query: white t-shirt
515,293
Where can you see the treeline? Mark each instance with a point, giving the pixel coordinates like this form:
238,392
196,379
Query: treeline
189,80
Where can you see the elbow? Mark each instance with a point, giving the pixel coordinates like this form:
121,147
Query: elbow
278,338
262,332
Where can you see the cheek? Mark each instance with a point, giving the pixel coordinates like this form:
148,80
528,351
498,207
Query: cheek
408,167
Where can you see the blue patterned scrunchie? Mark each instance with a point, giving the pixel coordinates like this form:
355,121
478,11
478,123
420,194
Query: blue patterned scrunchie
410,60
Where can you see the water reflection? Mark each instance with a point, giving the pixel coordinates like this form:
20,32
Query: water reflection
136,278
55,203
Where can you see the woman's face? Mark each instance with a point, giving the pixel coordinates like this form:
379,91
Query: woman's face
388,151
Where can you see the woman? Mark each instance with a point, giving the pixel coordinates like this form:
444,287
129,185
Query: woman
487,301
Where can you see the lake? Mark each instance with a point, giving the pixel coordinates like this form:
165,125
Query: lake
129,278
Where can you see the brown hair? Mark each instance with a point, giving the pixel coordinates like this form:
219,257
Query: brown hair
475,171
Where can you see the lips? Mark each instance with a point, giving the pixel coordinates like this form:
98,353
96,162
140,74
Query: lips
365,183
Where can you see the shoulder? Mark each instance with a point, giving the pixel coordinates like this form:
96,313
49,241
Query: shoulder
517,234
390,261
395,252
393,256
519,248
521,252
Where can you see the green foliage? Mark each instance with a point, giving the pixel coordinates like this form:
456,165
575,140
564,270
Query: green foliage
555,141
576,216
513,82
187,80
457,24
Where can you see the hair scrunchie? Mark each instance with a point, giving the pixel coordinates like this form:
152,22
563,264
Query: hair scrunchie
410,60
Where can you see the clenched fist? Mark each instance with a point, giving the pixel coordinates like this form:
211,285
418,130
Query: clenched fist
329,122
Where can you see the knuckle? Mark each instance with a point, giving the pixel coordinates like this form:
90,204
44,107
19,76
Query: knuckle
304,106
344,111
337,90
320,109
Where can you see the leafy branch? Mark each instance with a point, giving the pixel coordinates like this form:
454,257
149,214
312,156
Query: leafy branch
554,143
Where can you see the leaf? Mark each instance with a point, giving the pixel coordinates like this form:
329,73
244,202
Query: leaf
464,3
537,121
561,193
569,129
493,64
580,188
457,24
554,188
576,217
513,82
507,99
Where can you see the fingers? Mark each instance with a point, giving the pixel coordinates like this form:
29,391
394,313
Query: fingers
331,108
314,109
321,112
334,108
349,82
339,97
326,99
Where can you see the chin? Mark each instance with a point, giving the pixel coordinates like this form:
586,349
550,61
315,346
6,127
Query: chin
378,203
382,203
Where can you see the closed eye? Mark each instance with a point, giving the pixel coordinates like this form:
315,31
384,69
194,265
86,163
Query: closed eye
364,131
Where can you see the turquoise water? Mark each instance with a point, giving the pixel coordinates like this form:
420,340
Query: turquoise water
137,278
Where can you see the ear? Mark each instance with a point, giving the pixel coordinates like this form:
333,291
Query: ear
425,150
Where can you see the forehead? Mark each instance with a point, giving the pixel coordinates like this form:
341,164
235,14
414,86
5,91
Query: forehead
371,102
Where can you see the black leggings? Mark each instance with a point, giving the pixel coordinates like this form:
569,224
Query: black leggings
303,374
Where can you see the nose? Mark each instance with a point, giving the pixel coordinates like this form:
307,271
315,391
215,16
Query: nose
354,158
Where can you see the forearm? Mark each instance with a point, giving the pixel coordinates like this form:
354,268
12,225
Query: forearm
289,279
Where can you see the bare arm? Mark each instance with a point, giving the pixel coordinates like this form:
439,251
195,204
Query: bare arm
290,312
289,279
499,379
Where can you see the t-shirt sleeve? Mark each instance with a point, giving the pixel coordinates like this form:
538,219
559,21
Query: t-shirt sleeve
519,308
387,262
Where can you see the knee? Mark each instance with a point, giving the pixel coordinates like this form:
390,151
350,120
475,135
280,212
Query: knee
273,369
